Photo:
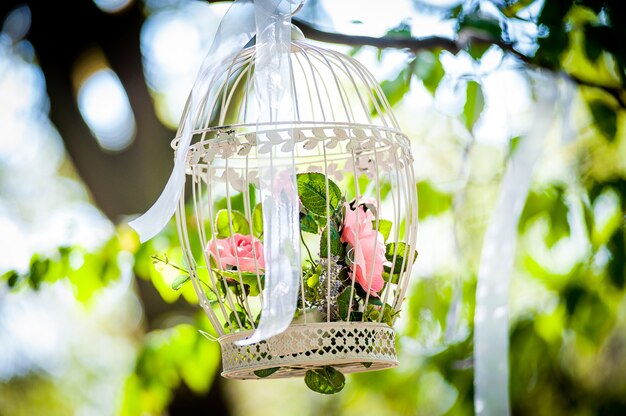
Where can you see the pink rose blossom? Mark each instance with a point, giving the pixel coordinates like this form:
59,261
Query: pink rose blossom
244,249
369,253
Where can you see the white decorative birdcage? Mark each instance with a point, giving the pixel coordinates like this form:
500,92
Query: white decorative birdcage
357,244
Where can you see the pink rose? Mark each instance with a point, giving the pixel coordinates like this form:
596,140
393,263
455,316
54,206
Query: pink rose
369,253
244,249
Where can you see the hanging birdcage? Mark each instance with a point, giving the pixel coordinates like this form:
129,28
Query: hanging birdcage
358,216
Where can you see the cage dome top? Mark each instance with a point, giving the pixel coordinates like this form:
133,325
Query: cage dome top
336,102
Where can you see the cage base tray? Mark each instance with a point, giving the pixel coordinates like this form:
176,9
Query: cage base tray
350,347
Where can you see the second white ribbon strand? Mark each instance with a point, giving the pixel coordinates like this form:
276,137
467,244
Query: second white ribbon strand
281,220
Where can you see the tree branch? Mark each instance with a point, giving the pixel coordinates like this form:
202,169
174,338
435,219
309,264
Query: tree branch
437,42
412,44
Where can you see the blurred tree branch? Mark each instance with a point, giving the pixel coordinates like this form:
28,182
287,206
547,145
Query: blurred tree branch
465,38
412,44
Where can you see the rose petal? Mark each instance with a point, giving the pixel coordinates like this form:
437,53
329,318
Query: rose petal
240,250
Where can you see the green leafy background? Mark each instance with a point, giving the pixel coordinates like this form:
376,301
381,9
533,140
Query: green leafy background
568,309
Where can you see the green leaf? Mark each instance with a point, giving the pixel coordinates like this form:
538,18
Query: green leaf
248,279
395,89
402,250
165,359
389,314
374,301
337,248
354,51
474,104
232,318
429,69
180,281
312,193
390,249
605,118
513,145
431,201
589,314
511,8
390,277
604,38
343,303
616,185
551,47
403,30
257,221
479,25
476,21
313,280
325,380
11,277
550,203
38,270
385,188
308,224
617,263
223,222
559,224
572,294
384,227
595,39
356,316
372,313
344,275
266,372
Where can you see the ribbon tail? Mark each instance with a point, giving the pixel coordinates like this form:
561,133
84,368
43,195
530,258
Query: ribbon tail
277,178
159,214
491,320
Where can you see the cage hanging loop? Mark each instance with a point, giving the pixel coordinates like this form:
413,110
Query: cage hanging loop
280,5
298,8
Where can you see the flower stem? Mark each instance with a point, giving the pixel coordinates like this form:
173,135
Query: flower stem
306,247
157,259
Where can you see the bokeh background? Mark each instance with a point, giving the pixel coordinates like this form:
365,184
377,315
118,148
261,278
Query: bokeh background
90,96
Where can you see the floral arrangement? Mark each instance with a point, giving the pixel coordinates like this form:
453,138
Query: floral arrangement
353,265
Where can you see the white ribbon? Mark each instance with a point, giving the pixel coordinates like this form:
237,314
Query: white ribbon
277,179
271,22
491,320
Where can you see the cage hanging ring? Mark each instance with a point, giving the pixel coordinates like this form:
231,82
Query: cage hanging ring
298,8
278,4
